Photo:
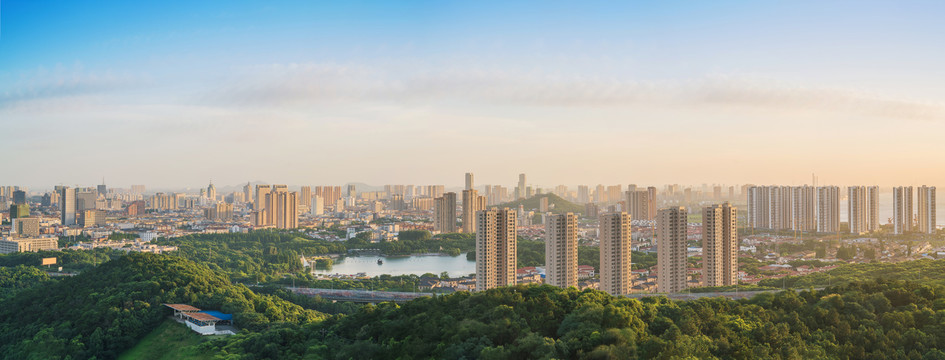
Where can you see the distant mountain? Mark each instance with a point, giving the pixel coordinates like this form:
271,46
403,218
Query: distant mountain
556,204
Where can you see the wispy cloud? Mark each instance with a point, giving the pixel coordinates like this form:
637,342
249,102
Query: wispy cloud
284,87
60,83
292,84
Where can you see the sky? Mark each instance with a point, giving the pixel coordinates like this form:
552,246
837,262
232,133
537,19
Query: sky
178,93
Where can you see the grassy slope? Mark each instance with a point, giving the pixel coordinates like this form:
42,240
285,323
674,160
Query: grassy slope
170,340
560,205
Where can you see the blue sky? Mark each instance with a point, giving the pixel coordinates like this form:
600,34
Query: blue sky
173,93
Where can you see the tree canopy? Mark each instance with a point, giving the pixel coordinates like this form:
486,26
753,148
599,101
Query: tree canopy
106,310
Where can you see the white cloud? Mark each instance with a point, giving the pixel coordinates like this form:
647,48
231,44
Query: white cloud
307,84
45,85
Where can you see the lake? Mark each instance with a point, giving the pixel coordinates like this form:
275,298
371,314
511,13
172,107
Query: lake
402,265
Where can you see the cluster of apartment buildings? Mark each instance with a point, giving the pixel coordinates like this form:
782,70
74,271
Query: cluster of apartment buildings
817,209
496,252
25,229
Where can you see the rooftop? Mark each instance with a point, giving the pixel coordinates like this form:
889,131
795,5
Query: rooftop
182,307
199,316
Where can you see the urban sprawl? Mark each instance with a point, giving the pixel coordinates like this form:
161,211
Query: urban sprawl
708,236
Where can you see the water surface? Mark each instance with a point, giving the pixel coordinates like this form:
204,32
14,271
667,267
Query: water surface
402,265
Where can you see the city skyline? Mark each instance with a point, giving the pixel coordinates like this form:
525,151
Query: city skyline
187,92
552,179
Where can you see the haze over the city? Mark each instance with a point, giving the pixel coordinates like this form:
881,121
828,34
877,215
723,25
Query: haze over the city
173,94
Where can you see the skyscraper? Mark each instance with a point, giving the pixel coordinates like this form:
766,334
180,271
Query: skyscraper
19,197
719,245
275,214
671,258
561,250
247,194
318,205
495,248
85,199
435,191
67,206
615,276
653,204
926,209
261,192
780,210
614,193
305,196
163,202
444,213
771,207
872,202
286,215
212,192
520,189
902,209
857,208
600,194
469,181
638,202
828,209
804,208
583,195
472,203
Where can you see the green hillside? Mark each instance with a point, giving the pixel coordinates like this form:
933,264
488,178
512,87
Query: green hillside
106,310
556,204
170,340
861,320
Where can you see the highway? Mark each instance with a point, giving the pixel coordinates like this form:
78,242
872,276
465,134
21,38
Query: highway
361,296
368,296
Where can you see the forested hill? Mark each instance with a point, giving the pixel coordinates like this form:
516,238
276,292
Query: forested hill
556,204
107,309
867,320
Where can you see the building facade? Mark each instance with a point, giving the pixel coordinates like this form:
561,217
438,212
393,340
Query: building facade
804,208
828,209
496,257
444,213
614,232
638,204
11,245
926,209
857,210
472,203
67,206
902,209
561,250
671,260
719,245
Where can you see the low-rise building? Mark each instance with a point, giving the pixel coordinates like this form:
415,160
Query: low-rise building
13,245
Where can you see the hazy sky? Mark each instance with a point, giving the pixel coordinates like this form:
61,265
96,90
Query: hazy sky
176,93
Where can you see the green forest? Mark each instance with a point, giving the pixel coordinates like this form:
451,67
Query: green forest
106,310
864,320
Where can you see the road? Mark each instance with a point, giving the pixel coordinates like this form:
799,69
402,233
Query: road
367,296
362,296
